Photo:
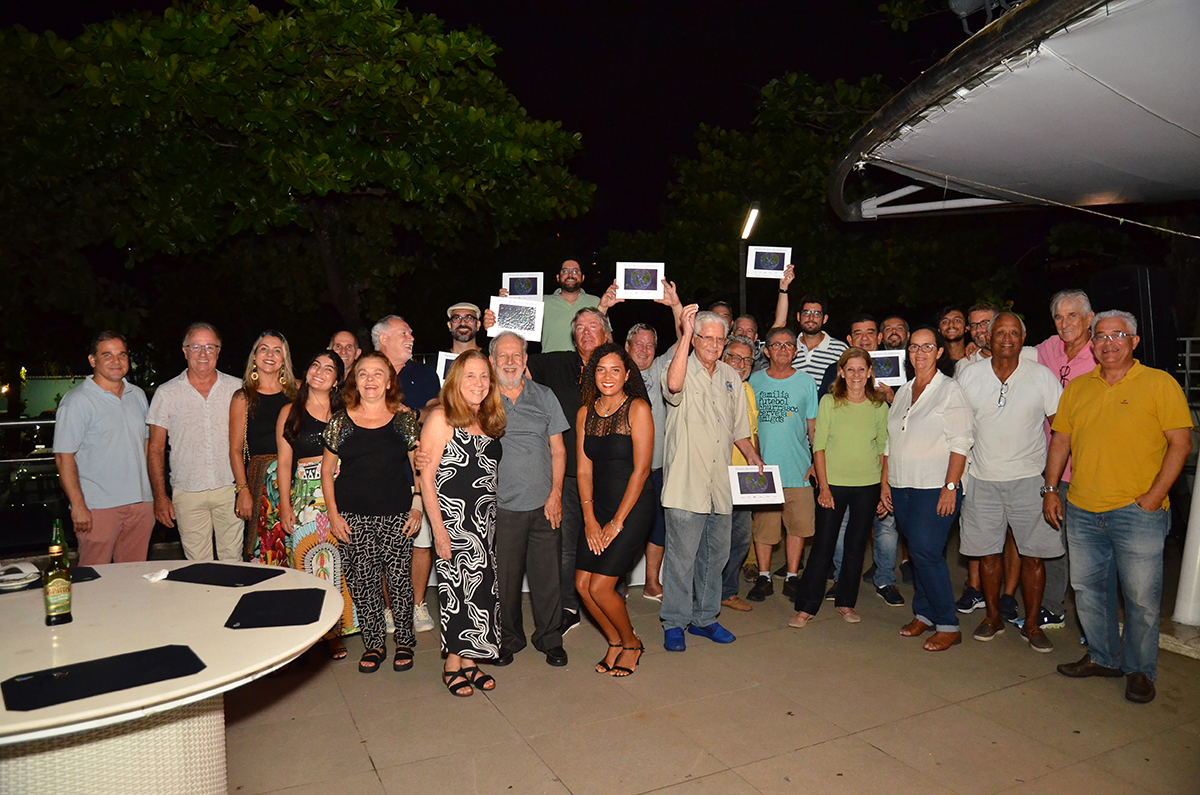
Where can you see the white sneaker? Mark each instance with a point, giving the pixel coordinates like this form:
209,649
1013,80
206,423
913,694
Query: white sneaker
421,620
389,620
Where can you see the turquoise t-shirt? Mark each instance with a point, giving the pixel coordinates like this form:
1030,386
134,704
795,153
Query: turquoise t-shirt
785,405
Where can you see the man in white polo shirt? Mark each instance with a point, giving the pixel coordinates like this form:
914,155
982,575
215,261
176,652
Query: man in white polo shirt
1010,397
100,451
192,410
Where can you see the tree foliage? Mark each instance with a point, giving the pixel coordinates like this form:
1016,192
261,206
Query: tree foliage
321,151
783,162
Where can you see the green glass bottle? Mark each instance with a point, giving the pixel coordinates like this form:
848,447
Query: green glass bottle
59,538
56,588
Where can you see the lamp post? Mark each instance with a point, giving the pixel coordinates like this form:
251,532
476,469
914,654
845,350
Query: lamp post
747,228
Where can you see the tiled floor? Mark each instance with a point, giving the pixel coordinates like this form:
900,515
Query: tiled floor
832,708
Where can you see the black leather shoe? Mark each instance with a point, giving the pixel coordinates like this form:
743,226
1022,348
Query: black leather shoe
1085,667
1139,689
504,659
556,656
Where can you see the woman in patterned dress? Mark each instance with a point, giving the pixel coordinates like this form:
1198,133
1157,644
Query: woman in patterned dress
302,516
462,438
372,509
268,385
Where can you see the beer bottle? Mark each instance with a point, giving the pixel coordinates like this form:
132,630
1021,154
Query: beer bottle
56,588
59,538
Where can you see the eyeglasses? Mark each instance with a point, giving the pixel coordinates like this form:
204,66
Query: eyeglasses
738,361
1063,372
811,313
973,326
711,340
782,346
570,272
928,347
205,348
1115,336
462,318
1003,394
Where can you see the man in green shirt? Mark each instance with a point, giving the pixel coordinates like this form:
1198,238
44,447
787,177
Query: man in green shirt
561,306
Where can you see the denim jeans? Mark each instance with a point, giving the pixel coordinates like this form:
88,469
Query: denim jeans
933,595
886,544
1132,539
739,546
696,553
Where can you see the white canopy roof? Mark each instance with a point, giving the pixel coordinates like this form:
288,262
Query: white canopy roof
1060,101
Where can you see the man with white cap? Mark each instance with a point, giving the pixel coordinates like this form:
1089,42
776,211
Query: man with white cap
464,326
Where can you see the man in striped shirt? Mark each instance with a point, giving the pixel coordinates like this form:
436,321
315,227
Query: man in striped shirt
815,349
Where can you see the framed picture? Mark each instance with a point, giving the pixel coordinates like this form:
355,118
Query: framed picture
522,285
751,487
767,262
640,280
443,364
522,316
889,368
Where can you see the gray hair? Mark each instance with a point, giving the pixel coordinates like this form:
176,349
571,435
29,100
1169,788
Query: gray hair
709,319
638,328
999,315
895,317
738,339
201,326
1130,320
1078,296
772,333
504,335
382,328
591,310
751,318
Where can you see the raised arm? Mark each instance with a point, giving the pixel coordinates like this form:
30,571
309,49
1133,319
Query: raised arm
678,369
781,303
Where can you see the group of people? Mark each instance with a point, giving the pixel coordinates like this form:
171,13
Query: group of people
564,468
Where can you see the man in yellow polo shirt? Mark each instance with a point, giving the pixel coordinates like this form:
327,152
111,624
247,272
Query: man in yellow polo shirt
1128,431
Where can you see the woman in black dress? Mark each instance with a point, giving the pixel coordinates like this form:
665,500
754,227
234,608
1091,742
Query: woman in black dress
614,454
462,438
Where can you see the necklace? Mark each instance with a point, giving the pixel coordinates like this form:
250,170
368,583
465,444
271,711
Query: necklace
600,411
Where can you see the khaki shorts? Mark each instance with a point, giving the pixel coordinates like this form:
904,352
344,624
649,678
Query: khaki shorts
797,514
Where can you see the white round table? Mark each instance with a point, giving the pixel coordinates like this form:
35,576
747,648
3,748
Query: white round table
156,738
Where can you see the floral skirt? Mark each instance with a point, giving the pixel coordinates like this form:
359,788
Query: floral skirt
311,547
266,541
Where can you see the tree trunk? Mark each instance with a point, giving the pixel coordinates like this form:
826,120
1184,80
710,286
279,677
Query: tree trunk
343,299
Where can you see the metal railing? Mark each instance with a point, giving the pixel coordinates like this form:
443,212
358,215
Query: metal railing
1189,369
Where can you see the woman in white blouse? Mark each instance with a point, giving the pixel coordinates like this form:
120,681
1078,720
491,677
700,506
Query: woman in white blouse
930,431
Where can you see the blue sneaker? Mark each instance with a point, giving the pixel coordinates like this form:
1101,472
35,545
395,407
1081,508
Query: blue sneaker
714,632
673,640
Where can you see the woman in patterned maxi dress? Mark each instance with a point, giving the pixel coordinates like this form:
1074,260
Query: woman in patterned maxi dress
461,437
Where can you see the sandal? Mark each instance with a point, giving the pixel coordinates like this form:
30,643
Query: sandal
336,649
403,660
369,662
620,671
603,667
478,678
940,641
915,628
457,683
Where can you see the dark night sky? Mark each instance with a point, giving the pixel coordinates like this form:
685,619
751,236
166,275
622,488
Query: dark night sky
637,78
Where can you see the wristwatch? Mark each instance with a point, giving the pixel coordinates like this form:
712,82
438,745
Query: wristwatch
1044,490
951,485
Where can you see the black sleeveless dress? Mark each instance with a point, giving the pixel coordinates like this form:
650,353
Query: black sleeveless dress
609,445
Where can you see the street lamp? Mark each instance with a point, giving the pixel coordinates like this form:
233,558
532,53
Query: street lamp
747,228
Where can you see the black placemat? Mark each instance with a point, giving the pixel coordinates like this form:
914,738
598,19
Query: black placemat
284,608
51,686
224,574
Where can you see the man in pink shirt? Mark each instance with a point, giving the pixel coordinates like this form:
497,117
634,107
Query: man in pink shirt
1069,355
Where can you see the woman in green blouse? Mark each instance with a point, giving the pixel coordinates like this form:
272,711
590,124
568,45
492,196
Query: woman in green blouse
848,456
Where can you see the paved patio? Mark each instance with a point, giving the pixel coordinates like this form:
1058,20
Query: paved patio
832,708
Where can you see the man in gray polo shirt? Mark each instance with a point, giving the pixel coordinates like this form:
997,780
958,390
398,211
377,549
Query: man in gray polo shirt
529,488
100,450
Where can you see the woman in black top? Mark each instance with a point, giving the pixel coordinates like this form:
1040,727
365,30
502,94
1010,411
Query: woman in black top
302,515
268,385
372,509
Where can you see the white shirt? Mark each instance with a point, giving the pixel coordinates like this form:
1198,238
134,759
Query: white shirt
1027,352
652,376
1010,440
197,430
922,436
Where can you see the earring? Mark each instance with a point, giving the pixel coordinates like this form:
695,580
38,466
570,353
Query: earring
283,377
254,373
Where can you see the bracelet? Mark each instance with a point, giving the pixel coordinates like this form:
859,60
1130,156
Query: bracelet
238,489
616,526
585,502
783,292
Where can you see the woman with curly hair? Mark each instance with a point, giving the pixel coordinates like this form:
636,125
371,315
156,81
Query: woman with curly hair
849,448
614,449
268,385
302,515
372,509
462,438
